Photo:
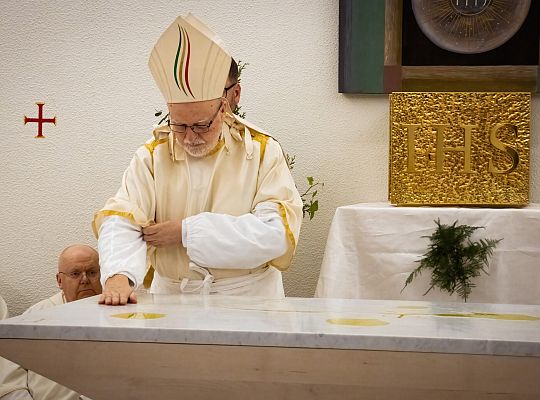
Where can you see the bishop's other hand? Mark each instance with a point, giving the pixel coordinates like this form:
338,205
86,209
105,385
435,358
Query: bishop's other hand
163,234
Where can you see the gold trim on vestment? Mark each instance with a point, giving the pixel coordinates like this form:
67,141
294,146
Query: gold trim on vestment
151,147
149,277
262,139
288,230
108,213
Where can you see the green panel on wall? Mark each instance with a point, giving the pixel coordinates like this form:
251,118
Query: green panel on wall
361,46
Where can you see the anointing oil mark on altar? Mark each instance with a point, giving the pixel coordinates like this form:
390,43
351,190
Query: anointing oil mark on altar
356,321
459,148
480,315
138,315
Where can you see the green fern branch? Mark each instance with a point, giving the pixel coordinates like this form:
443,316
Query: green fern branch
454,260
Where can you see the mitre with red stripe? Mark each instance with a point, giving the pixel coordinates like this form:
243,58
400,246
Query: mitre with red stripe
188,62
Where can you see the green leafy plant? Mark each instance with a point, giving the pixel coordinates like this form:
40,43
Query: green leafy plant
453,259
237,108
310,205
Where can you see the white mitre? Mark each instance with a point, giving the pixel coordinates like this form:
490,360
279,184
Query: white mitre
189,63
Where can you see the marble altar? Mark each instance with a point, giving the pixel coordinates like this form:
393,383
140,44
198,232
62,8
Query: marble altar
206,347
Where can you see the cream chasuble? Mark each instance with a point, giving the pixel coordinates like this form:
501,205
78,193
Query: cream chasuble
246,170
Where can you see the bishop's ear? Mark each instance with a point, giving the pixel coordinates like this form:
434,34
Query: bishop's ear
59,281
237,90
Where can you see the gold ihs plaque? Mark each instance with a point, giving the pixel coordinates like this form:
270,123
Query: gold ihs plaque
462,148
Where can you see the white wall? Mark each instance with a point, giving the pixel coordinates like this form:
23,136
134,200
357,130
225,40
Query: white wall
87,61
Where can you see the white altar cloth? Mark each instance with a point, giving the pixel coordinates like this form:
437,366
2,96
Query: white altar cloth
207,347
373,247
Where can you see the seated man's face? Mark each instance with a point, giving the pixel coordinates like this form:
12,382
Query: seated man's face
78,273
204,115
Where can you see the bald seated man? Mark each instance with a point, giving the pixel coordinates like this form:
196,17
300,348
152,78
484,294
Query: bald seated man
78,277
78,273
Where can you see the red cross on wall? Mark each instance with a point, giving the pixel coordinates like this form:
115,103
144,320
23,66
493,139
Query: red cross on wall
40,120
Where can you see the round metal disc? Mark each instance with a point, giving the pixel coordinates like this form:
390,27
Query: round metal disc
470,26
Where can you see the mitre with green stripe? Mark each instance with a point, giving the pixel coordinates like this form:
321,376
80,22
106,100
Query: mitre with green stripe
188,62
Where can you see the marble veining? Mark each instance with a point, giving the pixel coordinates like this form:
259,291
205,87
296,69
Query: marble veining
495,329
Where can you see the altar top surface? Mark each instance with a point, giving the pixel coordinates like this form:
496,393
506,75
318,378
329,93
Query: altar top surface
496,329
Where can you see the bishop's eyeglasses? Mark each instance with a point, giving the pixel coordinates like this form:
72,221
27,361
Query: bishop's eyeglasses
91,275
197,128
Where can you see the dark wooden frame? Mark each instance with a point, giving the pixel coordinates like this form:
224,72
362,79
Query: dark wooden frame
370,59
